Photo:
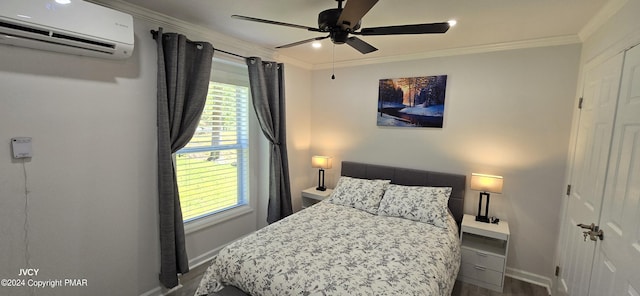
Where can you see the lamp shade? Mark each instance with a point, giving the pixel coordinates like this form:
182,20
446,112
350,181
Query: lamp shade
323,162
486,183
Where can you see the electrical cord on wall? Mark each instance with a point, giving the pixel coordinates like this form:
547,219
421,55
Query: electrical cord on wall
27,253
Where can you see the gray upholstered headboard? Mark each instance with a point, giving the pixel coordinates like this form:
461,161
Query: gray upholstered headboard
412,177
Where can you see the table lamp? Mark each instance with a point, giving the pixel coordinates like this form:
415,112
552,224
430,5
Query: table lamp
321,162
485,184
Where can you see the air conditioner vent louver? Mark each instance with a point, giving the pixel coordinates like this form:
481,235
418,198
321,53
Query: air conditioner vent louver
62,36
54,35
23,28
80,28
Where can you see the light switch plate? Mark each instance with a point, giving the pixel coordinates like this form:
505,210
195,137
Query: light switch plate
21,147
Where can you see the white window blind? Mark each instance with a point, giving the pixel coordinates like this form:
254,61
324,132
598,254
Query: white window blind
212,170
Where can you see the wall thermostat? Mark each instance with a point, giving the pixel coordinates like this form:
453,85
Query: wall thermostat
21,147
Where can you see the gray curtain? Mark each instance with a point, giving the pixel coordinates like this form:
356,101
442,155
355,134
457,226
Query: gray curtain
184,68
267,93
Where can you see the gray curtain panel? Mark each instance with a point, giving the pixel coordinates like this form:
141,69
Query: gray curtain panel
267,93
184,68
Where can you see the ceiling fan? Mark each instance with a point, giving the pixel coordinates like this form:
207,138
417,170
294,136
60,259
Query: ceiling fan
341,22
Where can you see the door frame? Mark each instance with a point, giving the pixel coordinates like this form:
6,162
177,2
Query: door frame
617,48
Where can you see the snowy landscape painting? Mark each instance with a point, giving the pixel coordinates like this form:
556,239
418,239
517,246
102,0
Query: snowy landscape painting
412,102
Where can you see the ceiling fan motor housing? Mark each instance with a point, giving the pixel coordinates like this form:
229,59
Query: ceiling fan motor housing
328,20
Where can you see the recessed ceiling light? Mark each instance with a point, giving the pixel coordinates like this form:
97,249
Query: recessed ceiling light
63,1
316,44
452,23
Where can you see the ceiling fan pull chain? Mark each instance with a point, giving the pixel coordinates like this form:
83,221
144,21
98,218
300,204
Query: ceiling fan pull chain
333,63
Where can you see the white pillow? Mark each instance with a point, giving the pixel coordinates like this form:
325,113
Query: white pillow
417,203
357,193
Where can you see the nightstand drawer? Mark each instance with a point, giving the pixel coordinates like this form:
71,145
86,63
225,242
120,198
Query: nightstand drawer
484,250
479,258
481,274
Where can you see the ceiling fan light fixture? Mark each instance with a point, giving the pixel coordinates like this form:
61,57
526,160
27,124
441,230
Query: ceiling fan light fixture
316,44
452,23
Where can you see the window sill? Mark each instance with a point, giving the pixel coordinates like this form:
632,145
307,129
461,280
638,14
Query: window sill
196,225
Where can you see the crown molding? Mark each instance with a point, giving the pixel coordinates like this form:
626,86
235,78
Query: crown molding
542,42
601,17
289,60
240,47
220,41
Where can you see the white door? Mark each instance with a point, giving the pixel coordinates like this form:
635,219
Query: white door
616,269
600,93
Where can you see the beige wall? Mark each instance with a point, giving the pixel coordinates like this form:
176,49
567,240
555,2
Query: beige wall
298,99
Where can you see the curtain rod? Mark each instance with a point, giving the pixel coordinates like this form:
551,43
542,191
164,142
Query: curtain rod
230,53
155,35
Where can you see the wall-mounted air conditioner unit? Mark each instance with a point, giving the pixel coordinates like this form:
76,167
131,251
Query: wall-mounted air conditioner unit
68,26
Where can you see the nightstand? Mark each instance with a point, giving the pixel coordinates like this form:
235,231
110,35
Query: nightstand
484,253
311,196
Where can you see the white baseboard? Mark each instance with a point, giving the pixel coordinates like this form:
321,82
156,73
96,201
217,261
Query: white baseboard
529,277
205,258
160,291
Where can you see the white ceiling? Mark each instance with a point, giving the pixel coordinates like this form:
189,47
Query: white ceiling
480,23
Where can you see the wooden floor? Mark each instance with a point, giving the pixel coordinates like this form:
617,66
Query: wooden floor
512,287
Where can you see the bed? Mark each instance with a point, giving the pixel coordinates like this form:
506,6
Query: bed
405,244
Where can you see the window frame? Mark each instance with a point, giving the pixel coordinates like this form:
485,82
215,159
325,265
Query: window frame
234,73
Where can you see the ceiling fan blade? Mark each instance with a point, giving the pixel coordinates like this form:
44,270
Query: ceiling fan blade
302,42
353,12
253,19
435,28
360,45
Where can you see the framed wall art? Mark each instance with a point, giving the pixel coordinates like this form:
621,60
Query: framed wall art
412,102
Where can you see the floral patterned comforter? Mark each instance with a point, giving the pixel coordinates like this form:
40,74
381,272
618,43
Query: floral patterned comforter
330,249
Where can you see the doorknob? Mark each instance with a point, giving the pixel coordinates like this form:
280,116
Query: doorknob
594,232
591,227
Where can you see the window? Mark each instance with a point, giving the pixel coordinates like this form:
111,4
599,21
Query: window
212,169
